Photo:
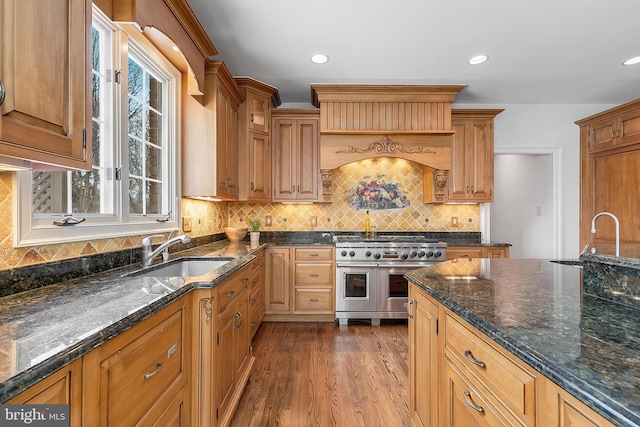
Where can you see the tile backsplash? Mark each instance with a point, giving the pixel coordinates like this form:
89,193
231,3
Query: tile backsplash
208,218
341,216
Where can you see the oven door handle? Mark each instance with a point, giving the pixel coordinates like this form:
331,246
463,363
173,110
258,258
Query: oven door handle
351,265
412,266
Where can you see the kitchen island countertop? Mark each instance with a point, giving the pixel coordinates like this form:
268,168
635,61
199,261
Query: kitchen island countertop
587,345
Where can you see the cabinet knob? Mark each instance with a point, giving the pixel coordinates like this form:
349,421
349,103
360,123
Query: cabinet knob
1,92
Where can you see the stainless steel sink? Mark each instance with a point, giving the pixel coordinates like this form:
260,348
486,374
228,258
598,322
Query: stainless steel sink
183,268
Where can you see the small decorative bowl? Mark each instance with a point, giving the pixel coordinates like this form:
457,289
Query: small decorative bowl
235,234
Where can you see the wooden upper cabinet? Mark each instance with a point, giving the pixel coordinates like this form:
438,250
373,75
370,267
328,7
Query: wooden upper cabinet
612,130
471,175
296,155
609,180
45,71
255,140
210,137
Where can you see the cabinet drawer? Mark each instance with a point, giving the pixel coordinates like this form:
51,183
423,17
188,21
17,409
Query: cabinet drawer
313,300
465,405
313,254
138,374
227,292
510,383
308,274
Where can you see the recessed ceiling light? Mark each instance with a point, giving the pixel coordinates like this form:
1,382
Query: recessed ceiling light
478,59
632,61
319,58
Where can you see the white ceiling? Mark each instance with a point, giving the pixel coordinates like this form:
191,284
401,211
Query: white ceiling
544,51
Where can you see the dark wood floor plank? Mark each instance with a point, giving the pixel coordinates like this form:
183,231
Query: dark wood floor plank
320,374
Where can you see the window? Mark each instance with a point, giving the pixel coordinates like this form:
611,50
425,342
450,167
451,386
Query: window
133,183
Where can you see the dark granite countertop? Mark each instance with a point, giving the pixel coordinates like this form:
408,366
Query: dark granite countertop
587,345
44,329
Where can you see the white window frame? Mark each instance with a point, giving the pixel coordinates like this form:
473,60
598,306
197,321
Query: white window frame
30,231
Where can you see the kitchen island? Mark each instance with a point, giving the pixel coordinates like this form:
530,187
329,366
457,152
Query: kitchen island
588,346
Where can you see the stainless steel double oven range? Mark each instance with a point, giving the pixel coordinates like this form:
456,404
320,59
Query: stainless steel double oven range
370,281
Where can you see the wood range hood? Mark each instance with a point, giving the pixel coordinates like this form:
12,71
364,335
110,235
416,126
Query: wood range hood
358,122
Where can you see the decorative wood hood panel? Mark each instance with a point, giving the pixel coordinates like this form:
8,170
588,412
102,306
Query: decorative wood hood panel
363,121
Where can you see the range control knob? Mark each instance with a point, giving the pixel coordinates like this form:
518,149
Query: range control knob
437,254
367,254
376,255
421,254
404,256
413,254
343,253
352,253
429,254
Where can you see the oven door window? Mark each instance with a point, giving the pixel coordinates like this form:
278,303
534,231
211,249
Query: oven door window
398,286
355,285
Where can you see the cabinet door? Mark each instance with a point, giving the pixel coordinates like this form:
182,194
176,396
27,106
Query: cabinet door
458,173
423,360
242,329
277,281
226,145
61,387
480,161
259,168
285,169
225,364
601,135
308,160
258,112
45,72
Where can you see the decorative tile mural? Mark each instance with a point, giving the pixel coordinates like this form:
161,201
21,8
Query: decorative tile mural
374,193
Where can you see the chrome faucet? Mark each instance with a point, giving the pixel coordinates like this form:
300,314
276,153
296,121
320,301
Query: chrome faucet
148,255
593,228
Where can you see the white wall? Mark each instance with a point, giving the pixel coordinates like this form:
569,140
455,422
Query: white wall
529,126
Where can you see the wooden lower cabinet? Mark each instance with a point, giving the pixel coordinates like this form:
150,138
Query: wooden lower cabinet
232,357
140,377
459,377
256,291
300,283
454,252
423,360
61,387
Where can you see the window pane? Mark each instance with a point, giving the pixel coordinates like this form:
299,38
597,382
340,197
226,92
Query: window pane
154,128
135,79
153,162
135,157
154,197
95,90
135,118
154,92
86,192
49,192
135,196
96,133
95,36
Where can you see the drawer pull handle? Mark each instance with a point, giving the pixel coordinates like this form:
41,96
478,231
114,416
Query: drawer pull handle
408,305
313,300
159,366
313,254
253,323
230,294
254,283
238,316
469,357
253,301
314,275
245,280
467,396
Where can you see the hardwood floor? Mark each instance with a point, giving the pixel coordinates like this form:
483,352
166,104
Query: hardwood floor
318,374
